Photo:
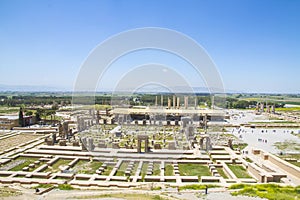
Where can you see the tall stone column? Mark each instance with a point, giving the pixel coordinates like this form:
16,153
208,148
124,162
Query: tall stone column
98,117
186,102
262,107
169,103
201,143
208,144
268,109
273,109
257,107
205,123
139,146
174,101
146,146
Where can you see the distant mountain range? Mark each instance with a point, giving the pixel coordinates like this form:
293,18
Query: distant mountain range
29,88
154,89
177,89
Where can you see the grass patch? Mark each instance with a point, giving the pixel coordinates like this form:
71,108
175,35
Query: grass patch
287,145
295,134
8,110
295,156
134,169
239,171
156,169
286,157
238,186
123,196
122,169
7,192
24,162
295,163
156,188
197,187
20,166
291,109
268,191
169,170
55,167
88,167
249,160
221,172
194,170
240,146
107,171
42,186
65,187
144,171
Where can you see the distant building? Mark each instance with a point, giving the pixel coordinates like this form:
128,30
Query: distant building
8,122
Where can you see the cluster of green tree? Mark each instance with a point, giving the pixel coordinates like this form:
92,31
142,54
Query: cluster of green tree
33,100
243,104
90,99
103,100
232,101
40,114
239,104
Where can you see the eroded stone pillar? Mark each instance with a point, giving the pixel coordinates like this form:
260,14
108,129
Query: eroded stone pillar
139,146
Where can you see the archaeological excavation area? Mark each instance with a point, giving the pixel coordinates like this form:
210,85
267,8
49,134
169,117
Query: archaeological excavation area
119,156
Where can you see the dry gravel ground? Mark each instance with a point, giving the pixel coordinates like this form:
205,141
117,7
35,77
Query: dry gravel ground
28,194
16,140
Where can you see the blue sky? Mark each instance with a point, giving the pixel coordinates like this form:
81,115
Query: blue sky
255,44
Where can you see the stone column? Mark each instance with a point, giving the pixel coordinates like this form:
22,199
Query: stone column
205,123
60,130
186,102
93,114
98,117
268,109
169,103
83,143
146,146
273,109
230,144
178,102
139,146
53,138
257,107
262,107
91,144
208,144
174,101
201,143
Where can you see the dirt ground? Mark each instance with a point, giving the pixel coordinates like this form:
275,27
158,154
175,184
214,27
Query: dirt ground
122,194
16,140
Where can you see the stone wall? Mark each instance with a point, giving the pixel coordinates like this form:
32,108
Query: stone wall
292,169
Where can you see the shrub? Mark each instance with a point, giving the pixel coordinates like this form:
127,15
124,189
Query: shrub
65,187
